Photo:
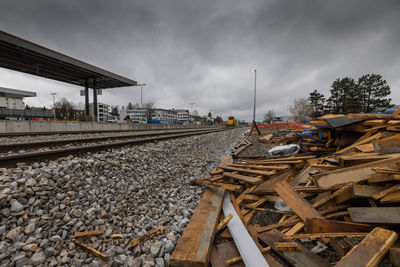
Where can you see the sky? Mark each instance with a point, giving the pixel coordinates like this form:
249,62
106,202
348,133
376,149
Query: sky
204,52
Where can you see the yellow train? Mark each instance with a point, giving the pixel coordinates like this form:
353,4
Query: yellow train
231,122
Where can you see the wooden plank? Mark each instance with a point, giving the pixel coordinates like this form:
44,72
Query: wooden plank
194,247
393,197
264,173
352,160
89,233
145,237
324,235
244,178
223,223
332,196
298,204
287,246
295,229
341,245
304,257
222,252
386,191
360,142
373,116
329,226
370,251
281,167
353,174
389,215
394,255
229,187
367,191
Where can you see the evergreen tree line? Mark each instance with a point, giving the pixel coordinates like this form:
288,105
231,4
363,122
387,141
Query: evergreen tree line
369,93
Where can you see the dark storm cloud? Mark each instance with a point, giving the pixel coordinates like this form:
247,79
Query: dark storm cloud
204,51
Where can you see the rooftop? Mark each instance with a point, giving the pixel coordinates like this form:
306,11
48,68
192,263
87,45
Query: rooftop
16,93
24,56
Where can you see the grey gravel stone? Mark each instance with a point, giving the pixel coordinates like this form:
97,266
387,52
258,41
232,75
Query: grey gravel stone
129,190
16,206
38,258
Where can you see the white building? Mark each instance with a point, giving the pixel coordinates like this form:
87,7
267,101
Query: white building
164,115
102,111
182,115
13,99
136,114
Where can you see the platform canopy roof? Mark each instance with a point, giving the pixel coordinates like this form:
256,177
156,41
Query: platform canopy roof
24,56
8,92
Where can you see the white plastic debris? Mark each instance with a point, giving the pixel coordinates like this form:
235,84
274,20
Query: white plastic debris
284,150
280,204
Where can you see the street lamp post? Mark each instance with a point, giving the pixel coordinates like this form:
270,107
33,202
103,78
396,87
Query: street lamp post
141,93
54,104
255,85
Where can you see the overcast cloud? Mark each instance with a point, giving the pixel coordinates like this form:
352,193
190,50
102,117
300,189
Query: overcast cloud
204,51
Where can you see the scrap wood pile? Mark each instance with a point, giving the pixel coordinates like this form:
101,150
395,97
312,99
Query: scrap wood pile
306,210
343,133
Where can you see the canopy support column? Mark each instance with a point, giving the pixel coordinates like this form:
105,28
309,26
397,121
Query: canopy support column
87,111
95,114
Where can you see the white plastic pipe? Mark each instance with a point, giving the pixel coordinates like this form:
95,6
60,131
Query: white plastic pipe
248,250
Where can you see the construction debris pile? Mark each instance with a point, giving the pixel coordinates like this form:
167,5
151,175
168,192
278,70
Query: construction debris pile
335,202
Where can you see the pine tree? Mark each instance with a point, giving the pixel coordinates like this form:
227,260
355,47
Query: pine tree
374,91
129,106
317,101
345,97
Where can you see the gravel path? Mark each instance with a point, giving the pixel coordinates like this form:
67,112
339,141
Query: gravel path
130,191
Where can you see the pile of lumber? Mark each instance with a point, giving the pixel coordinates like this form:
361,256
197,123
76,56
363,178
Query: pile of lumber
345,202
346,133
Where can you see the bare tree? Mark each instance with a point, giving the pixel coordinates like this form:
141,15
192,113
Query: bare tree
269,116
65,110
301,110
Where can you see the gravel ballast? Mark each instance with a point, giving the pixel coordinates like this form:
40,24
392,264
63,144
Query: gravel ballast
130,190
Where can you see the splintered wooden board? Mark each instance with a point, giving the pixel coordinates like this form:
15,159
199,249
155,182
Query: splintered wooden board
367,190
388,145
194,247
298,204
244,178
390,215
352,174
330,226
370,251
304,257
222,252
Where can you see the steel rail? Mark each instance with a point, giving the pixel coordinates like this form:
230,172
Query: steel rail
12,160
58,142
94,131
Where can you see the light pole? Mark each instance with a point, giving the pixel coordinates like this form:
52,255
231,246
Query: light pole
255,85
191,107
141,93
54,104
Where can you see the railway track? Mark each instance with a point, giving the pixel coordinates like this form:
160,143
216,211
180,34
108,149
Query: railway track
86,132
28,157
50,143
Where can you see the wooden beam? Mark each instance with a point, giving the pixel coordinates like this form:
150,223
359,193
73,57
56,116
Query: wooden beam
194,246
325,235
373,116
352,174
264,173
298,204
244,178
389,215
304,257
393,197
371,249
329,226
394,256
